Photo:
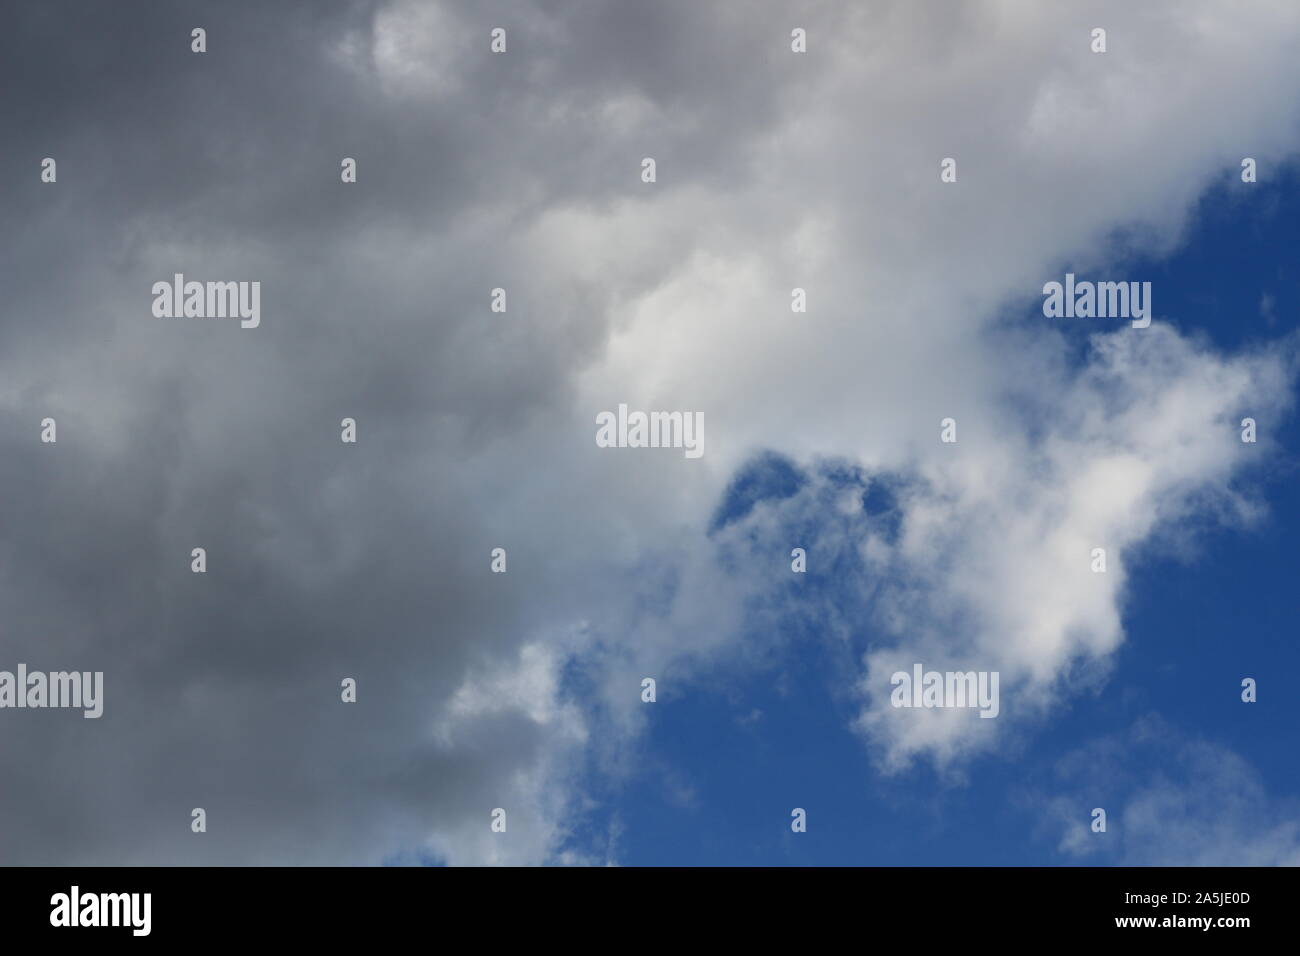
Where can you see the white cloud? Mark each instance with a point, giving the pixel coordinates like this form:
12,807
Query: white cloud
837,191
538,814
1170,800
994,568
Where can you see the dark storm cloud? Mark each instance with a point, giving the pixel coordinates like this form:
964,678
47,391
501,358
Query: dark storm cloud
325,560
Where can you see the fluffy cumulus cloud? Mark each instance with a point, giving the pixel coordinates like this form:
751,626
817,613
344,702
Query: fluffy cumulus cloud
996,567
522,171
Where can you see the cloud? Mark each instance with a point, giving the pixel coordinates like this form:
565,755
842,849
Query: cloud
994,568
476,429
1171,800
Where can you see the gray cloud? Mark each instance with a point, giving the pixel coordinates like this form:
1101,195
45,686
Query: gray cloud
328,560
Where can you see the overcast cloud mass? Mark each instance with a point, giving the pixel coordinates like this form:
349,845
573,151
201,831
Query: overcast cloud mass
475,429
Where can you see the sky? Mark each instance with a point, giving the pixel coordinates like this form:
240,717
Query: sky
521,691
